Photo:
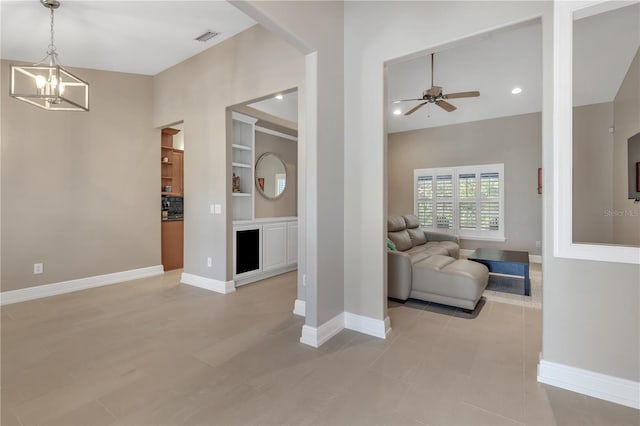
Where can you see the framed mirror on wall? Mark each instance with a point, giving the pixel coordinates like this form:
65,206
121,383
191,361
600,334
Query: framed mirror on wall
271,176
597,104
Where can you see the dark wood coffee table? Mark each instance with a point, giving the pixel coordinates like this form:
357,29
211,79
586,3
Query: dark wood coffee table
505,262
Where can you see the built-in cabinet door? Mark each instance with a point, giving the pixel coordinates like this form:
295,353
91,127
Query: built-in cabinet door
172,244
292,243
274,246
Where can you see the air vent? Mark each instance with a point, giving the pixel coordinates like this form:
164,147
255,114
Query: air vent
206,36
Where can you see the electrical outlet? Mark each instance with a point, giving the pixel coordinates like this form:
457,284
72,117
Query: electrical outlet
38,268
538,244
218,209
209,262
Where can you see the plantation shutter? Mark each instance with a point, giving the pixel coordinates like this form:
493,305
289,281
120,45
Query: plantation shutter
444,202
425,200
467,205
490,201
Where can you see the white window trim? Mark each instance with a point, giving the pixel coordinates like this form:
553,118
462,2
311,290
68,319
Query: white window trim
476,234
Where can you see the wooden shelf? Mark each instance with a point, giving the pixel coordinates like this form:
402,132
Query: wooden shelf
242,165
241,194
166,162
166,147
167,177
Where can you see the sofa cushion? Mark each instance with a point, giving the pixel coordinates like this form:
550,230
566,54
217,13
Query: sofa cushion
417,236
436,250
401,239
395,223
450,247
411,221
418,257
435,262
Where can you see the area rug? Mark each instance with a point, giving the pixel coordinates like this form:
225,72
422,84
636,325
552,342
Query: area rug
533,301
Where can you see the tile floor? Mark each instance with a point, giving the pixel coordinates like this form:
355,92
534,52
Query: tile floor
153,352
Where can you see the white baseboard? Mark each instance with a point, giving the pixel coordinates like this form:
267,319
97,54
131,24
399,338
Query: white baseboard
257,276
299,307
597,385
533,258
315,337
367,325
46,290
208,283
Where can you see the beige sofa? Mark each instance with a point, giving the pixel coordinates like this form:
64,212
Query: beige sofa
425,266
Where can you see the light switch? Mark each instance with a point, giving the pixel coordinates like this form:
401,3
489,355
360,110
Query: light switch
218,209
211,208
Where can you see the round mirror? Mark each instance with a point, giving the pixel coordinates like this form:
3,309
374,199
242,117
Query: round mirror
271,175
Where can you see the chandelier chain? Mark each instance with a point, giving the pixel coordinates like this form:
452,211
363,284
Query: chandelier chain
52,46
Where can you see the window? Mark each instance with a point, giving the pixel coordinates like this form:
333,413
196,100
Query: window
281,180
468,200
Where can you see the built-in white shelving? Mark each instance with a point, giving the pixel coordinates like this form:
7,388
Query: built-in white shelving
242,165
242,159
241,147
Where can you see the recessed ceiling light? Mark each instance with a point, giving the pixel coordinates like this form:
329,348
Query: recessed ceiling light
397,111
279,97
516,90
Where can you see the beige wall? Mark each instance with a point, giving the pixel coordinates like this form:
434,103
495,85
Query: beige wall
592,173
626,113
287,150
80,189
252,64
514,141
317,29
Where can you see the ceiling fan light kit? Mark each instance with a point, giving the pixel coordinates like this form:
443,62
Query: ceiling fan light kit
47,84
434,95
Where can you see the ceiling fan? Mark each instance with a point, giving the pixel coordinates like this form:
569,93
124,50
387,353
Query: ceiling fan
435,96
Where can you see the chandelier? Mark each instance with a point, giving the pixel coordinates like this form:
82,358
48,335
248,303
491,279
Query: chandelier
47,84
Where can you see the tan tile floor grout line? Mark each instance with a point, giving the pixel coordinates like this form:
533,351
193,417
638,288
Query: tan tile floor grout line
493,413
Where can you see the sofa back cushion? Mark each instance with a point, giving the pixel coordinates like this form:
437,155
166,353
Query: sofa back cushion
411,221
395,223
401,239
417,236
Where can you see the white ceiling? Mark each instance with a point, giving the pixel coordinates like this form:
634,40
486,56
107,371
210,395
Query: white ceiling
497,62
286,108
147,37
492,64
604,46
143,37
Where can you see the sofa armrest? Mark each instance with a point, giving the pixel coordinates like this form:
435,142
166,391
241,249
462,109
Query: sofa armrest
440,236
399,275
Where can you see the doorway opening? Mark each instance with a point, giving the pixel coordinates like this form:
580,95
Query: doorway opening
172,196
464,149
264,168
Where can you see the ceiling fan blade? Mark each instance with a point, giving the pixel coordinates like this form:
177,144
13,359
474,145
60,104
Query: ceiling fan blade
406,100
445,106
461,95
415,108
